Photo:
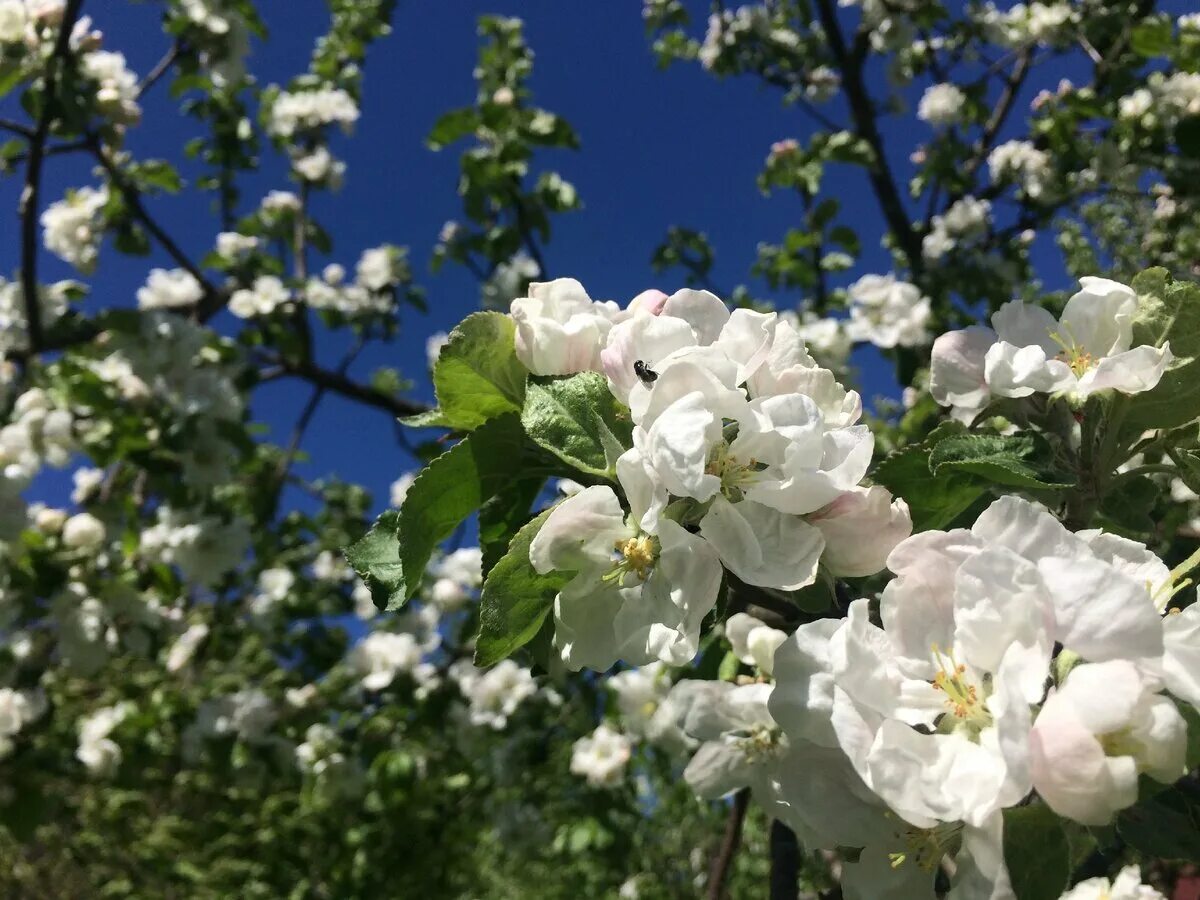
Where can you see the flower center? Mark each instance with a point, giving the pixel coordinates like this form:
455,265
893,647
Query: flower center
636,555
761,743
927,846
1078,359
963,698
735,475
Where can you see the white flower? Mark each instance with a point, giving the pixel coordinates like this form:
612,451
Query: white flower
306,110
96,750
1126,886
185,646
17,709
13,21
378,268
169,289
637,596
941,104
204,547
232,246
83,531
73,227
208,14
320,167
267,295
887,312
509,281
86,481
277,202
640,695
1022,162
399,488
966,218
381,656
753,641
117,87
1029,351
560,329
1096,734
496,694
825,338
861,527
601,757
1181,654
433,347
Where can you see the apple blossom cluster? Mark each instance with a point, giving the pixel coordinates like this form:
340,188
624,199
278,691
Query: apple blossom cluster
1027,350
746,457
1165,99
17,709
966,219
14,334
97,750
1023,164
888,312
306,110
72,227
941,105
1047,24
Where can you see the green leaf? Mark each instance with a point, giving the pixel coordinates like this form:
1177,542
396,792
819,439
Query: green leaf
376,559
452,126
449,489
1019,460
933,501
1165,824
578,420
1152,37
1168,311
391,558
501,516
516,599
478,375
1036,852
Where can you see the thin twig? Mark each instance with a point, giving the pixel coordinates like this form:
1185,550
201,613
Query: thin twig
160,69
17,127
718,873
346,387
28,207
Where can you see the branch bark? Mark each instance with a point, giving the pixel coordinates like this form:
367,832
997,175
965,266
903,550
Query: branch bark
883,182
28,207
340,384
718,872
785,863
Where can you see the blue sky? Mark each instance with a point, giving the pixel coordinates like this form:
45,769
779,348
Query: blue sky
659,148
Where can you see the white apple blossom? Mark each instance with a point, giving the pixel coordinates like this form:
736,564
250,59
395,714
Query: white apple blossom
965,219
381,656
1097,733
267,295
560,329
83,531
307,110
13,21
433,347
72,227
248,714
753,641
1126,886
378,268
825,338
204,547
941,104
14,329
17,709
399,488
1028,351
96,750
169,289
493,696
233,246
637,595
861,527
116,86
1023,163
185,646
276,203
601,757
320,167
510,280
888,312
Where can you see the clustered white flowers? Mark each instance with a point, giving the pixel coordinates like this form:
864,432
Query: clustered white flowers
941,104
1023,163
733,418
888,312
309,109
73,227
1027,351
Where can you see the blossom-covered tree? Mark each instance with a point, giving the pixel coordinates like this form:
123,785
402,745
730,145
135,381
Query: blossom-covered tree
728,629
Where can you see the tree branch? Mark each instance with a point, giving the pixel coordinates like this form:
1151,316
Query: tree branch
785,863
862,110
339,383
160,69
28,207
213,299
718,872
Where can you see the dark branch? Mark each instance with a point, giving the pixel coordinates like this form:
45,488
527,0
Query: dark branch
785,863
340,384
863,111
718,873
213,299
28,207
160,69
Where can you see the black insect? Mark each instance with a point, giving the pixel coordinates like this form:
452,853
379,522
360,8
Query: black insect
644,372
